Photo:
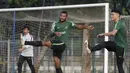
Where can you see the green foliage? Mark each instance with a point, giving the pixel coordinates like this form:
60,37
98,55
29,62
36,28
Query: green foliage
23,3
37,3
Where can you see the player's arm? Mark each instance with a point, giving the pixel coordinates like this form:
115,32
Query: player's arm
112,33
90,27
53,31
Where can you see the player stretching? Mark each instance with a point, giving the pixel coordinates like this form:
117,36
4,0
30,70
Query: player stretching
60,30
119,44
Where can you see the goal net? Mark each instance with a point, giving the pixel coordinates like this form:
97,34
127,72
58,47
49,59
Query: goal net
75,58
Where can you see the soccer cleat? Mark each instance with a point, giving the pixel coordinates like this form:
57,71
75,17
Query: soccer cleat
87,46
22,41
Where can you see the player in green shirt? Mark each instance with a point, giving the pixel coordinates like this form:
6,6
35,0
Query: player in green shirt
60,33
119,44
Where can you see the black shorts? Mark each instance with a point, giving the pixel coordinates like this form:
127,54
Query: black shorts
58,48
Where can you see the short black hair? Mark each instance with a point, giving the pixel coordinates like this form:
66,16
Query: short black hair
64,12
26,26
116,11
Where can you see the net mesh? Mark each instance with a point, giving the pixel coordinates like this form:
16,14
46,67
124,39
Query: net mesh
40,22
74,60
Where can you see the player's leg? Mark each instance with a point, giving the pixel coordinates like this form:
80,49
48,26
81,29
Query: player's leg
20,63
57,62
34,43
109,45
57,54
46,41
38,43
31,64
120,59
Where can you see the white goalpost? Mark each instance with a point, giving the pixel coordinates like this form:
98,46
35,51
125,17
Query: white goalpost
45,21
106,37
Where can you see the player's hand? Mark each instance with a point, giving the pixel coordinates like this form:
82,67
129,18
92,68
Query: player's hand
58,33
91,27
100,35
21,49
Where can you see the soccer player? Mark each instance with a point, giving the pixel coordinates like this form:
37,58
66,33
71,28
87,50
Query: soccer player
26,51
120,39
60,31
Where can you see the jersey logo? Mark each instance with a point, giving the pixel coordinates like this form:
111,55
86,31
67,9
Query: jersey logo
66,27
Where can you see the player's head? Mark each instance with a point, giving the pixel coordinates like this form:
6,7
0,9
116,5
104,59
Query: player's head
115,14
63,16
26,29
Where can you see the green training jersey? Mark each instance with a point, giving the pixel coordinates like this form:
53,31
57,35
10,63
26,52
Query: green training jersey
121,35
64,28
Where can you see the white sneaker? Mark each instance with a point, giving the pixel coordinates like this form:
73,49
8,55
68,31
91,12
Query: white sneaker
22,40
86,46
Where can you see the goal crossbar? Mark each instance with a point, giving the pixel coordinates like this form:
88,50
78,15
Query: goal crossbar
54,7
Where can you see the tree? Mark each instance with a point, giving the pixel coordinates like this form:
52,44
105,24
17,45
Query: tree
3,3
24,3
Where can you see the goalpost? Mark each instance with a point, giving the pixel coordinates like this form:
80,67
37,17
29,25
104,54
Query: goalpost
22,18
106,38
